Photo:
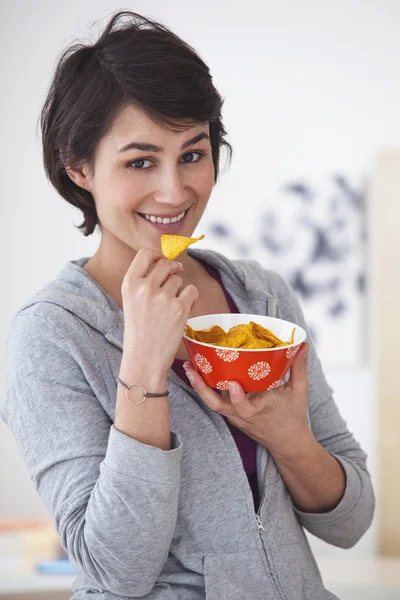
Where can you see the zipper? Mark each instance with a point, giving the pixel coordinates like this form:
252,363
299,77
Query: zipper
261,528
114,343
264,495
259,524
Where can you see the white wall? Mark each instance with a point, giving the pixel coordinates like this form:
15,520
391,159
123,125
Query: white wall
310,88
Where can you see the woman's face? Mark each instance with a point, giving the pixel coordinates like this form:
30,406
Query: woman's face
144,173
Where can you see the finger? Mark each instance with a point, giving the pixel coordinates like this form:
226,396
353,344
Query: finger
240,400
162,270
207,394
298,370
189,296
173,285
143,262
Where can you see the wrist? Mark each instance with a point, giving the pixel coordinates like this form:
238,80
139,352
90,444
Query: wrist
153,380
301,446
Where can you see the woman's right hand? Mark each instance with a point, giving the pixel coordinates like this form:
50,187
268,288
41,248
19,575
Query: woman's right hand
156,308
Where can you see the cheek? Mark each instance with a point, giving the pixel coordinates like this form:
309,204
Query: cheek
205,181
114,194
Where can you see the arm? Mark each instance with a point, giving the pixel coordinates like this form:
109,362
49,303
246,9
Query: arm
147,422
346,522
113,498
315,479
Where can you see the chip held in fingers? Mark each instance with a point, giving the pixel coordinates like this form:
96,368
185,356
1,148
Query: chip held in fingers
173,245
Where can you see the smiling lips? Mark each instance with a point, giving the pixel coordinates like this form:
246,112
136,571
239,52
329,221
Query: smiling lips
166,224
165,220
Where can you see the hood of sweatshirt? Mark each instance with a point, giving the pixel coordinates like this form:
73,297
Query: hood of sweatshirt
76,291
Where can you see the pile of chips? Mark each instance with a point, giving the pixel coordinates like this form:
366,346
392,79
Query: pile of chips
248,336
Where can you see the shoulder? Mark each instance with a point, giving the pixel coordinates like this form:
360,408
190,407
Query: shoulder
249,272
45,334
35,342
42,320
273,285
272,281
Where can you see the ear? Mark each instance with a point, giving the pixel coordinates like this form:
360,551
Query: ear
79,175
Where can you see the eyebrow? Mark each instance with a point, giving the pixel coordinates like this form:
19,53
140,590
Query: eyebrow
151,148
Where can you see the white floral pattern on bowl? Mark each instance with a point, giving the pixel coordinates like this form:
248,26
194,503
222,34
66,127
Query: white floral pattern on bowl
203,364
227,355
222,385
259,370
276,384
292,351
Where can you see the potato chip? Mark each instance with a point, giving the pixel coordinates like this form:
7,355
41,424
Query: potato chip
173,245
247,336
262,333
239,338
213,335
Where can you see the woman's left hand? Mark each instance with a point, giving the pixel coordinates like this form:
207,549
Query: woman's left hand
273,418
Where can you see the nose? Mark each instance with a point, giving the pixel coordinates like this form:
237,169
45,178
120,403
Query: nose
171,188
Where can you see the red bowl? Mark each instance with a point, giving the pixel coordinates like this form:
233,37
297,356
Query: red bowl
255,370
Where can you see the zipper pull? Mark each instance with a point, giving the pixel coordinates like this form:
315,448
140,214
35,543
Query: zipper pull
259,524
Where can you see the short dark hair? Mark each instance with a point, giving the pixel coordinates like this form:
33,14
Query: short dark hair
135,61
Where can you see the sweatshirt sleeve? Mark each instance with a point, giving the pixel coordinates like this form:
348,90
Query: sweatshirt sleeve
114,500
350,519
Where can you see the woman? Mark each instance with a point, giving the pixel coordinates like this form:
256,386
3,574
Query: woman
189,494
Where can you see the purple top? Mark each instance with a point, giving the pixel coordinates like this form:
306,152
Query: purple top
246,445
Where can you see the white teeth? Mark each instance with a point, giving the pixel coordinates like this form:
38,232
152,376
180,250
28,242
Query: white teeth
165,220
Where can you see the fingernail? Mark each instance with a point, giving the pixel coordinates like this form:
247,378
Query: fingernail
232,387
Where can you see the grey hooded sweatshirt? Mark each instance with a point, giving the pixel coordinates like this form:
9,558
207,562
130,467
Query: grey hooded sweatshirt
141,522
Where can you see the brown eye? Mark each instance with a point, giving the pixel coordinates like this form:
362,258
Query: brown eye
140,164
192,157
